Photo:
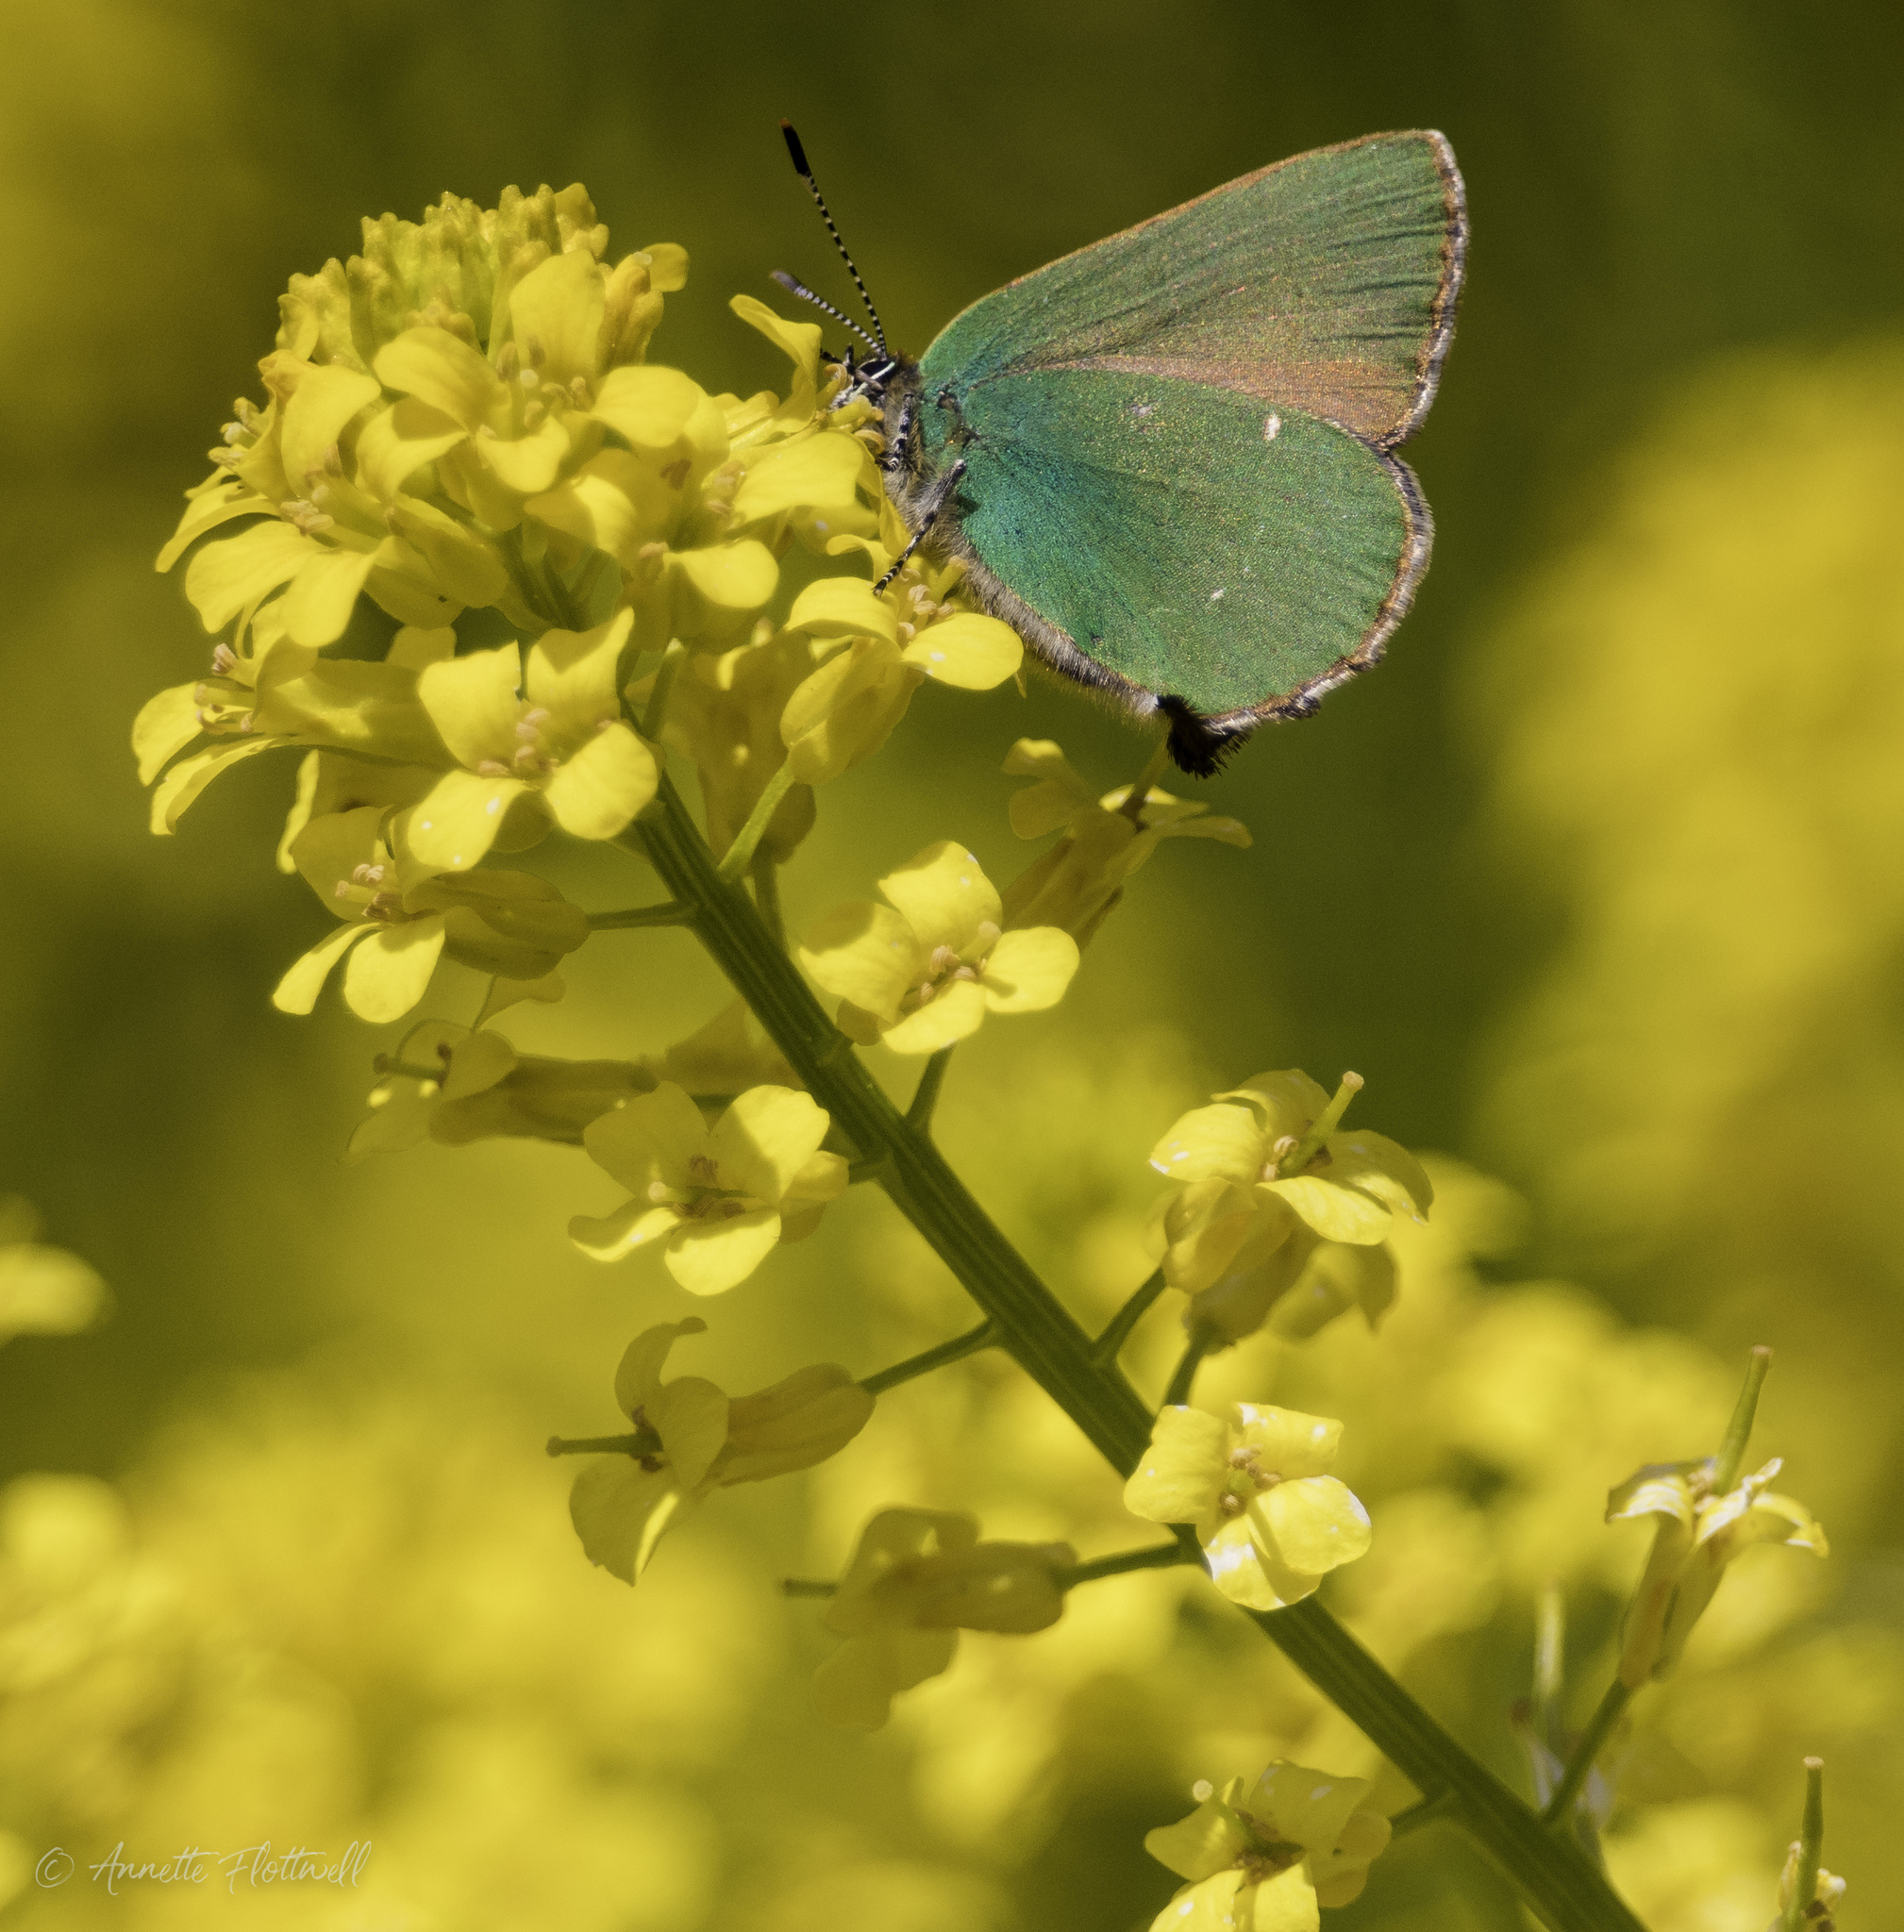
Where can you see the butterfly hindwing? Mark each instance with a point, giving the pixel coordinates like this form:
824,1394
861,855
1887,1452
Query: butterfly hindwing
1186,539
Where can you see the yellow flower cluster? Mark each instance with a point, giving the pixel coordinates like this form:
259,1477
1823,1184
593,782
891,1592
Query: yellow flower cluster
462,419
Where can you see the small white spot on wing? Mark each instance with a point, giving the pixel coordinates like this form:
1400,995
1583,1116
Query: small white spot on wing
1216,595
1272,429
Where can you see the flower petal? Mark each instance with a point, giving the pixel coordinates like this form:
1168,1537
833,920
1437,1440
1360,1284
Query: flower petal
443,371
323,594
620,1510
1289,1441
637,1374
327,395
632,1226
1313,1525
556,316
1336,1213
820,471
297,991
390,974
957,1014
765,1138
1029,969
839,607
946,897
594,793
855,1687
236,572
711,1256
649,1141
1208,1840
1310,1809
811,1415
1183,1469
968,651
1236,1567
651,406
1221,1142
473,702
454,824
690,1414
867,954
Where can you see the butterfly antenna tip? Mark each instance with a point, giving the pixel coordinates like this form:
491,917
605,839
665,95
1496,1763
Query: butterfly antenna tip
806,173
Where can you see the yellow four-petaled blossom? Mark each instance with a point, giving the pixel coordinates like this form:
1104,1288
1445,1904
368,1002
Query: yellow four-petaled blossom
1268,1197
923,972
692,1438
1077,883
1254,1483
1700,1532
918,1577
719,1199
1264,1856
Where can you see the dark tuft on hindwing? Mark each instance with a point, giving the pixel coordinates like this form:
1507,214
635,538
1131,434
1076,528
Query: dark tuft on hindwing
1196,746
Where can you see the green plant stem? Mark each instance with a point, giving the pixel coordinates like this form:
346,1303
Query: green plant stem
1158,1556
1427,1813
669,912
1559,1883
926,1096
1739,1432
740,854
1811,1846
1550,1640
1201,1342
657,711
1599,1727
765,873
643,1442
984,1336
1111,1344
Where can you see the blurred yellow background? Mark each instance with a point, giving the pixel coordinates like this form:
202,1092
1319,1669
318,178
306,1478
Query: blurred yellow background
1596,881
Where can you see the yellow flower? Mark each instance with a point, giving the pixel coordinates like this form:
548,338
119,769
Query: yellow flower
925,970
454,1085
1077,882
918,1577
44,1290
1264,1858
720,1199
1824,1900
266,692
1255,1486
534,745
511,925
873,652
724,712
690,1439
1273,1144
419,398
1698,1533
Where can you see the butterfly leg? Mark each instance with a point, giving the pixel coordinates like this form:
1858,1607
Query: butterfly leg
894,459
928,515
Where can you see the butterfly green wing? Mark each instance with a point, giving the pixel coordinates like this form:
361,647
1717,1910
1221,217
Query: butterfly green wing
1178,441
1166,536
1326,282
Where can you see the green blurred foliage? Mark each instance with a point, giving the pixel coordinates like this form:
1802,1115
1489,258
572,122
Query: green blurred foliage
1594,881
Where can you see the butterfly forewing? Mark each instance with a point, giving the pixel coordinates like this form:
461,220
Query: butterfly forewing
1326,282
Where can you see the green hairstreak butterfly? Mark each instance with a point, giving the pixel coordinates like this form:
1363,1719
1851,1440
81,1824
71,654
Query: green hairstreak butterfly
1167,461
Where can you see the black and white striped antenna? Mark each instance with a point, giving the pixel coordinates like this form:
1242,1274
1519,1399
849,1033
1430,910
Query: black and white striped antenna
877,337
